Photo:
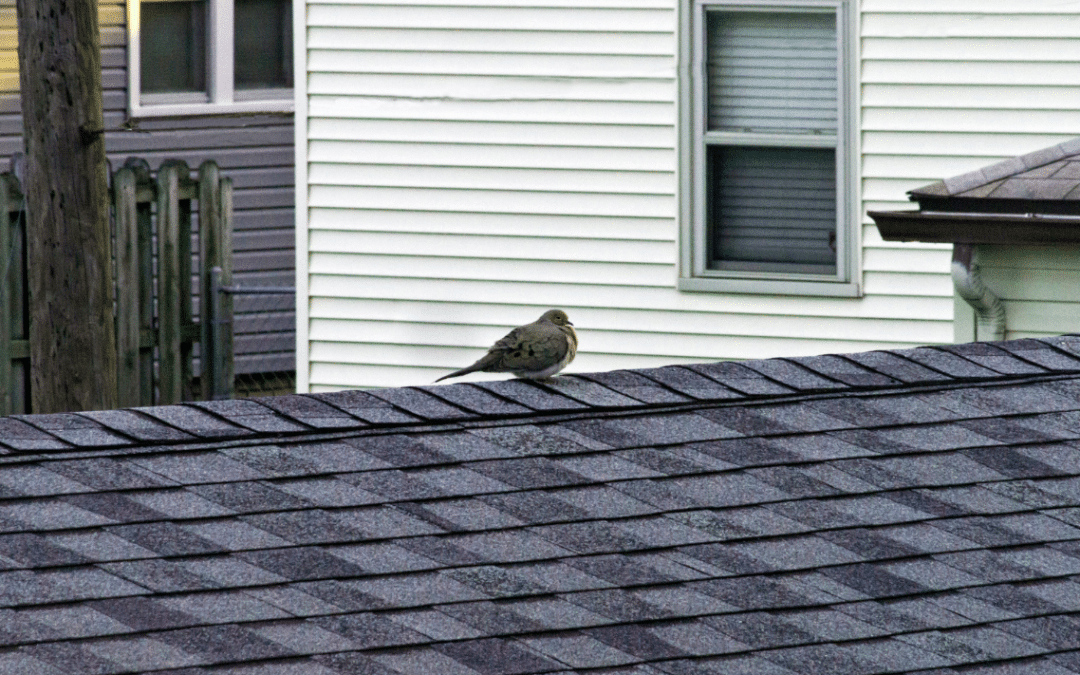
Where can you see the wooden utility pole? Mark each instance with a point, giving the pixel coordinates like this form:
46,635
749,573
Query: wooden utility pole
69,261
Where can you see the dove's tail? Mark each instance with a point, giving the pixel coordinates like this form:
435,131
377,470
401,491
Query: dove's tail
484,364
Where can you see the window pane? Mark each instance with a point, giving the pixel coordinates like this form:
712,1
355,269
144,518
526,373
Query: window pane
772,209
172,44
263,39
772,72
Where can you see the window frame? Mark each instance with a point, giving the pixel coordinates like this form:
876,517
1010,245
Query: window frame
694,274
221,96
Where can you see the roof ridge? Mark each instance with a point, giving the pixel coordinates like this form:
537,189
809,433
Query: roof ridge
675,387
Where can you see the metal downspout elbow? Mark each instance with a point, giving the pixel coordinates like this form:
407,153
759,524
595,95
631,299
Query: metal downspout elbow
989,309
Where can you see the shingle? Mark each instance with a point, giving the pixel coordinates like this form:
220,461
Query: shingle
1040,353
399,450
309,411
33,479
349,663
762,630
250,415
894,655
529,472
590,393
159,575
71,658
579,651
334,457
369,631
518,441
945,362
589,537
316,526
234,534
530,395
303,637
104,473
459,480
896,367
383,558
475,400
116,507
989,356
327,492
1057,632
635,386
740,378
142,614
139,427
845,371
165,538
697,639
752,593
419,403
495,657
194,421
197,467
301,563
75,429
617,604
509,546
32,550
555,613
223,643
366,407
18,435
497,582
689,383
873,580
491,618
824,658
790,374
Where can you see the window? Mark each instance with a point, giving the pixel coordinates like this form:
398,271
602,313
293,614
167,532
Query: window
207,56
767,141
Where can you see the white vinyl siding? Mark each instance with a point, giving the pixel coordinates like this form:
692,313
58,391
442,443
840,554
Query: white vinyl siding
464,167
949,87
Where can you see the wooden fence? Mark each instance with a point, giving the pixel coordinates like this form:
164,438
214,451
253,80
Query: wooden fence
156,331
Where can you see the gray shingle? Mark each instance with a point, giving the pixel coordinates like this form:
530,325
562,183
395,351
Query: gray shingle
419,403
194,421
76,429
250,415
740,378
589,393
989,356
475,400
635,386
689,383
496,657
310,411
366,407
793,375
529,395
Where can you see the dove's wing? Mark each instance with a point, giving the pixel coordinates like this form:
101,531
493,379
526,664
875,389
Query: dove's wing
530,348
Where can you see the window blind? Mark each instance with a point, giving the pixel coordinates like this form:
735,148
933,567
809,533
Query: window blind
772,71
773,209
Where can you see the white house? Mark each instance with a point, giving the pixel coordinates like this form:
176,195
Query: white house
688,179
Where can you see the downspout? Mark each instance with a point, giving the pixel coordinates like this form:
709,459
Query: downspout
989,309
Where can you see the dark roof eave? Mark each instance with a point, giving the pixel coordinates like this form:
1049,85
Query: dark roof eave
981,228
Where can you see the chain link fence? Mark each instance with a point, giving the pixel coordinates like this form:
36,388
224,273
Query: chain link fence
263,336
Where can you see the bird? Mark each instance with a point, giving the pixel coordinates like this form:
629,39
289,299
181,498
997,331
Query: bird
535,351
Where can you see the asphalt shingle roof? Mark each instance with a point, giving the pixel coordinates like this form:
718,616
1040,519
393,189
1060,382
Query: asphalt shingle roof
887,512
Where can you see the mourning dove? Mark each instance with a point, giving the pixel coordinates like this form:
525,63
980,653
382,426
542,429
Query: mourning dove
535,351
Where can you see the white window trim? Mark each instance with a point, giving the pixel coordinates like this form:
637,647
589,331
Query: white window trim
222,97
693,273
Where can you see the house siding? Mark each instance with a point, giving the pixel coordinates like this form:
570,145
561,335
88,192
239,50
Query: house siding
469,166
256,151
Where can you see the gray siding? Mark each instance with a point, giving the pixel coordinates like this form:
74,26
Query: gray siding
255,151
